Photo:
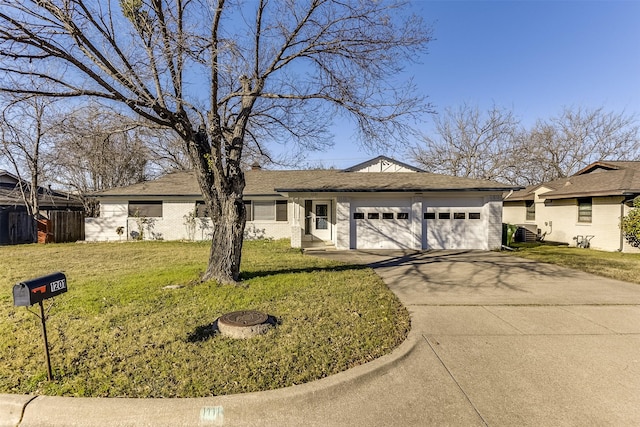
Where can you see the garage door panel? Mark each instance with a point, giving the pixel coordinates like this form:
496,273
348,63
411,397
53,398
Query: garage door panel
456,228
383,224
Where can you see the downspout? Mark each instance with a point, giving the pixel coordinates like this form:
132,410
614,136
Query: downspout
621,233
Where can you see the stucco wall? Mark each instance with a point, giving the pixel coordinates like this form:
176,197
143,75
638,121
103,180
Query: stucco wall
558,221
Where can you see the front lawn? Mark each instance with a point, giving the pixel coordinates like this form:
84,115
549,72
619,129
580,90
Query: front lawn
616,265
119,331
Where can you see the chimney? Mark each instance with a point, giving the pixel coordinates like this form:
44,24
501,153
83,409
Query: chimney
256,166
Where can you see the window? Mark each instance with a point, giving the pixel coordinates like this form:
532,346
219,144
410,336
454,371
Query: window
247,207
403,215
373,215
387,215
444,215
531,210
358,215
429,215
147,209
201,210
263,210
584,210
267,210
474,215
281,210
459,215
322,217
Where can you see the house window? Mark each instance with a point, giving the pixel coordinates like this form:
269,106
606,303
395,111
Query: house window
247,208
429,215
459,215
263,210
358,215
584,210
146,209
387,215
268,210
201,210
373,215
403,215
531,210
474,215
444,215
281,210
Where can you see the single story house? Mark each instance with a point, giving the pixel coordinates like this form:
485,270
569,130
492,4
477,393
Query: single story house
378,204
61,214
582,210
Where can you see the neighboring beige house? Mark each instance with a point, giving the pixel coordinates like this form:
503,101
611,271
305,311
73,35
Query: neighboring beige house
378,204
582,210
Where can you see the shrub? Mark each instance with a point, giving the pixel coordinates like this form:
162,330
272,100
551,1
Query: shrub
630,224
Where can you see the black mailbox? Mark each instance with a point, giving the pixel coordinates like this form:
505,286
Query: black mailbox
36,290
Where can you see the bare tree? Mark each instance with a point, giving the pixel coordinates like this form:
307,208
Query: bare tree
97,149
26,131
224,76
562,145
470,143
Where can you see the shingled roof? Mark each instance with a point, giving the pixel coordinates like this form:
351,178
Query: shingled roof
620,178
267,182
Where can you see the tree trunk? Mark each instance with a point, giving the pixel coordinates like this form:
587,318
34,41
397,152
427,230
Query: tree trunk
226,243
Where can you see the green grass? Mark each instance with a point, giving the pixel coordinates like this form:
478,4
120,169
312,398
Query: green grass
616,265
119,332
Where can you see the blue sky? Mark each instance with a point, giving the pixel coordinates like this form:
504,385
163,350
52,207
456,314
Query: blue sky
531,57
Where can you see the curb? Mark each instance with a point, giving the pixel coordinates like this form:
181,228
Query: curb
30,410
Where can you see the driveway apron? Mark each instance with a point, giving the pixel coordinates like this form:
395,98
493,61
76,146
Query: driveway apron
527,343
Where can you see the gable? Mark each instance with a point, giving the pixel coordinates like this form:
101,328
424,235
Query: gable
382,164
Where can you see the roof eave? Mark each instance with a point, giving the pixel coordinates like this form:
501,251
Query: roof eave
389,190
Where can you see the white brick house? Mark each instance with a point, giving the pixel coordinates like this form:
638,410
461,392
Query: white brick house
379,204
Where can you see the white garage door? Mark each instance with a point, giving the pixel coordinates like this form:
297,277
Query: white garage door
455,229
383,227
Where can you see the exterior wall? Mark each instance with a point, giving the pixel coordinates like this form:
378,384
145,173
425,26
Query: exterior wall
558,221
493,213
175,224
344,230
113,214
514,212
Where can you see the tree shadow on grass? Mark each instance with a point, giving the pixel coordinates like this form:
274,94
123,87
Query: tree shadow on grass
247,275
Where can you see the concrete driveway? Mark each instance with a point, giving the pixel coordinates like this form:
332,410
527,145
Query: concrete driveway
495,340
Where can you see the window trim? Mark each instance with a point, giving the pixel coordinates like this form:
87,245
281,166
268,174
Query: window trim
279,210
585,204
150,204
530,210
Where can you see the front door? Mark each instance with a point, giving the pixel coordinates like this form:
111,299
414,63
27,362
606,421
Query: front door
321,220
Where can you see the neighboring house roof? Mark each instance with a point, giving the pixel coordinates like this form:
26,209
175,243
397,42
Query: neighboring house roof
608,165
268,182
11,195
618,178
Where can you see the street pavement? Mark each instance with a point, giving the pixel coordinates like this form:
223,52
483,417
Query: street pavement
495,340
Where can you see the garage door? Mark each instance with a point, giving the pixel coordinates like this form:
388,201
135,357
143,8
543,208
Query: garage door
386,227
455,229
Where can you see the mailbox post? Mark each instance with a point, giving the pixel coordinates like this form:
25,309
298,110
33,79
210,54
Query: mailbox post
35,291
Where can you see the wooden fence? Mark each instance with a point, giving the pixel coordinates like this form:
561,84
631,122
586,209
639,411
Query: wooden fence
67,226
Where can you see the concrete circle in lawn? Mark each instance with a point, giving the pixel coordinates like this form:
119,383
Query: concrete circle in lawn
243,324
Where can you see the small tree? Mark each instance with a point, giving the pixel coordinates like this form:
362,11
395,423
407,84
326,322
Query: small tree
630,224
